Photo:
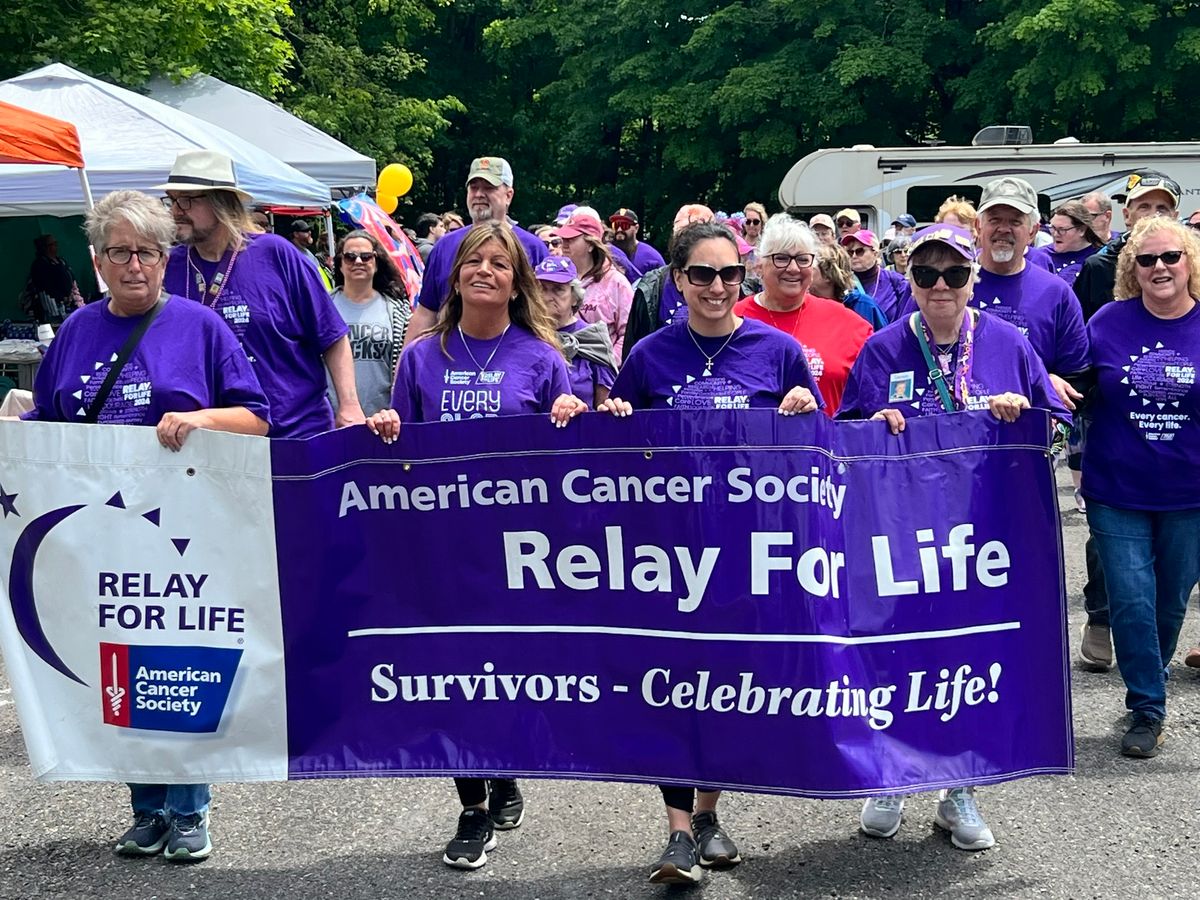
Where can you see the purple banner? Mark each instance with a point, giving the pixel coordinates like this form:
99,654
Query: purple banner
741,600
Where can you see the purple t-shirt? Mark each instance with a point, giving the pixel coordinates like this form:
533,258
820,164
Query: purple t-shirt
585,375
187,360
672,307
1040,257
643,260
1145,428
756,368
435,284
890,292
513,375
1067,266
1046,311
891,373
277,306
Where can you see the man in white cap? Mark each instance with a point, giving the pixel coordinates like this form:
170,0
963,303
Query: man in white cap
267,293
822,226
489,195
1038,302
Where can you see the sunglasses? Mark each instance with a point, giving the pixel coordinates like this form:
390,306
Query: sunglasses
1195,226
351,257
783,260
753,221
845,223
1169,258
861,251
1153,181
702,276
553,242
927,276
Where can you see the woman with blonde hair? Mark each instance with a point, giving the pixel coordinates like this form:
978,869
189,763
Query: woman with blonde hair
957,211
834,280
1139,468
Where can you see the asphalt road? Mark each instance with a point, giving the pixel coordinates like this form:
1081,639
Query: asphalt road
1118,828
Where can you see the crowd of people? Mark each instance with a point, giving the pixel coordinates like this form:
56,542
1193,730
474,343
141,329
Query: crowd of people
807,315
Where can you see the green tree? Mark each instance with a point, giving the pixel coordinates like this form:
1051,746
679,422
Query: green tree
240,41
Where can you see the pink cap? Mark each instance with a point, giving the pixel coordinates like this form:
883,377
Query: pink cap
580,223
691,214
864,237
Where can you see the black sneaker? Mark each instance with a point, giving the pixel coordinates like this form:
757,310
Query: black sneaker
505,803
147,836
1143,739
472,841
680,862
717,849
187,840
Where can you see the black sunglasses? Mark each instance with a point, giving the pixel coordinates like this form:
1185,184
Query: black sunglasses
750,221
845,223
927,276
351,257
1169,258
702,276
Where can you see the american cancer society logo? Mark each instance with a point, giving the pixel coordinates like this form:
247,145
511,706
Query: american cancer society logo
166,688
151,686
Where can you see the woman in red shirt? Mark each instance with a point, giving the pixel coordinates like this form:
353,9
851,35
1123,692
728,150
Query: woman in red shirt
830,334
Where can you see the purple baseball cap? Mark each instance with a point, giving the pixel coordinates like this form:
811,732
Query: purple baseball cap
559,269
956,238
563,214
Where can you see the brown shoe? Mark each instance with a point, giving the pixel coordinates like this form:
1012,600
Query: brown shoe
1192,659
1095,647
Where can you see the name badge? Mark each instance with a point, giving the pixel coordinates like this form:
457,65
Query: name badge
900,386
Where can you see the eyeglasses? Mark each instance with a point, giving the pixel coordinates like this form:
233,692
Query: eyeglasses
351,257
927,276
783,260
702,276
1059,232
1169,258
1195,226
845,223
750,221
184,203
121,256
861,251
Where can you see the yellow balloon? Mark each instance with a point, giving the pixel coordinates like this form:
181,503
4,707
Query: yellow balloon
395,180
387,202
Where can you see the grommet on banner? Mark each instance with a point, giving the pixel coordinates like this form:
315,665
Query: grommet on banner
191,472
649,454
408,467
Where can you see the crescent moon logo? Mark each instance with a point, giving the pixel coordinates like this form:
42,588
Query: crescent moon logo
20,580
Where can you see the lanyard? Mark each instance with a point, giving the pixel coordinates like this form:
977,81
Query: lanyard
962,371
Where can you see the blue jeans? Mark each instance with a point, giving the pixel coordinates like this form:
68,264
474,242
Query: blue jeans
1151,562
170,799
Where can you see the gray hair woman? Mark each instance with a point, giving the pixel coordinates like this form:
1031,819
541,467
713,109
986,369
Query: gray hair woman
591,363
214,388
830,334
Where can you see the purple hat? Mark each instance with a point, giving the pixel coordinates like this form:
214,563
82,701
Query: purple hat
957,239
565,213
558,269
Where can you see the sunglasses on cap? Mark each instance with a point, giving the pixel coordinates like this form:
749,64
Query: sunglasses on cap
927,276
1153,181
702,276
351,256
1169,258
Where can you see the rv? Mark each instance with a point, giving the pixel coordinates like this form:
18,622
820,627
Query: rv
883,182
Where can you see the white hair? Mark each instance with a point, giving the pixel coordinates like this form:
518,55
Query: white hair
785,234
143,213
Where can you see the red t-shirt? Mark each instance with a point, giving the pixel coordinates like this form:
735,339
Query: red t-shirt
830,334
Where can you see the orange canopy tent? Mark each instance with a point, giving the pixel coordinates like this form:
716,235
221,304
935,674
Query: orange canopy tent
31,137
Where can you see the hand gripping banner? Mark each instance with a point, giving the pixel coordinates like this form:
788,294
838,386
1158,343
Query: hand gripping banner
736,600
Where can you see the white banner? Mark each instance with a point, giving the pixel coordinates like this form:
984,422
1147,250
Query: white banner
140,624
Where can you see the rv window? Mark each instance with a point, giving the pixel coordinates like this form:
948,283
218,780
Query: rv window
924,201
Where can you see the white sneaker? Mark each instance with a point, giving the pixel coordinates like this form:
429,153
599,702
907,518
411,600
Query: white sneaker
958,814
881,816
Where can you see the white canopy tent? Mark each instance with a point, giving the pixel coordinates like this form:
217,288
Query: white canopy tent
269,127
130,141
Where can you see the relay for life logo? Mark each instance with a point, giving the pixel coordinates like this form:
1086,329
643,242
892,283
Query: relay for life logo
150,677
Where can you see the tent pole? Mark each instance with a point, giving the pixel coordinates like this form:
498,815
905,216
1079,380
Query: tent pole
89,203
329,233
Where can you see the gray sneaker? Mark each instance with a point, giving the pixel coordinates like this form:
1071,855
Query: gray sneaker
881,816
188,841
958,814
1095,647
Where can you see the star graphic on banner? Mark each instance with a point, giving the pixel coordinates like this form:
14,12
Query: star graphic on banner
8,503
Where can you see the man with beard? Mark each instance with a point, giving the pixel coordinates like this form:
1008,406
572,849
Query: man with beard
267,292
489,195
642,257
1038,302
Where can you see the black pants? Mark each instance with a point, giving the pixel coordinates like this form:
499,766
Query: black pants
473,791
